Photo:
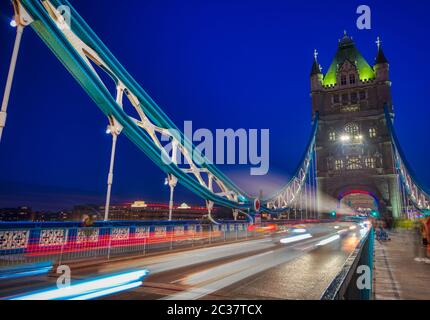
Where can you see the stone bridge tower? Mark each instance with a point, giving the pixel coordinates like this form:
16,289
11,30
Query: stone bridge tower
353,145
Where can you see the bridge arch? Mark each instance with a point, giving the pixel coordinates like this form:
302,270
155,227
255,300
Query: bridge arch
360,191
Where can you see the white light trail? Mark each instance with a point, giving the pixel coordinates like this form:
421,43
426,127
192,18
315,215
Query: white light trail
328,240
295,238
299,230
106,292
88,288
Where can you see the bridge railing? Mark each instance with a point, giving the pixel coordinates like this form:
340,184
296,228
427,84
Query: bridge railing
354,281
59,242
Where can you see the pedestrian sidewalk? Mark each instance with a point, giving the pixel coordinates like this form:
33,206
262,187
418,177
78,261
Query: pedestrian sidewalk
401,268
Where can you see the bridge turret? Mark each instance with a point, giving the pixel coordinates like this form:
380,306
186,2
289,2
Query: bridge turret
382,66
316,74
316,82
382,77
353,147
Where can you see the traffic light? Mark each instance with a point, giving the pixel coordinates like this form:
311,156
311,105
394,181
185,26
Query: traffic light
374,213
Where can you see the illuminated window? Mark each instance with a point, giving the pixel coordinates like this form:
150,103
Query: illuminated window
353,163
352,129
332,136
370,162
351,78
343,80
350,108
338,164
372,132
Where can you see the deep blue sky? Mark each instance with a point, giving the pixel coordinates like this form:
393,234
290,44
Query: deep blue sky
238,64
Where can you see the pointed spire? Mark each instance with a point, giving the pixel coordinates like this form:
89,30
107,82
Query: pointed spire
346,40
380,57
378,42
316,68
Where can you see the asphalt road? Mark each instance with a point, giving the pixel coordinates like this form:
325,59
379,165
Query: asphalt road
300,267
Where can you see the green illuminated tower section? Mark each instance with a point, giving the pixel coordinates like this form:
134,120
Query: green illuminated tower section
354,150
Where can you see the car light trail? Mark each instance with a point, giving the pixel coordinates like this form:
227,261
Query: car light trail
26,270
90,289
299,230
106,292
352,227
295,238
328,240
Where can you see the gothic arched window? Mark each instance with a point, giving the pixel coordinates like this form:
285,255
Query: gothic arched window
343,79
352,128
338,164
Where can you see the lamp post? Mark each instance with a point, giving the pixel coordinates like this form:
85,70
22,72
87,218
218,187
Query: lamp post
11,73
114,130
171,180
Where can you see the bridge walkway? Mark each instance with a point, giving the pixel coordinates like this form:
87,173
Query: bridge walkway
402,267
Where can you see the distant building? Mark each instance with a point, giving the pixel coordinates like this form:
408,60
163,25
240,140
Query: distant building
52,216
25,213
141,210
16,214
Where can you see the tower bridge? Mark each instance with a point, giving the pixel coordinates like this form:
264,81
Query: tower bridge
353,155
352,146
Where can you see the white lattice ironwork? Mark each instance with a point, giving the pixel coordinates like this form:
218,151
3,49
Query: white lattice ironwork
120,234
160,231
179,230
419,198
14,239
193,164
416,193
53,237
85,235
141,232
289,194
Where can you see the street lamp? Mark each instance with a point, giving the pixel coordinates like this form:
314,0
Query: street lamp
114,129
171,180
6,95
345,138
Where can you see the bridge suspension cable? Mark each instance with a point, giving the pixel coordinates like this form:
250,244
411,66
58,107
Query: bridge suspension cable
413,193
85,56
300,192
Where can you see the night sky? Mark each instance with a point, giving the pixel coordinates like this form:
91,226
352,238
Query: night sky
221,64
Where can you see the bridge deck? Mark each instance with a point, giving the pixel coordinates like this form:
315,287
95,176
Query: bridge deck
398,272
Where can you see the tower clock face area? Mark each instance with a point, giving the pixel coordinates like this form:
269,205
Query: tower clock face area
353,145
